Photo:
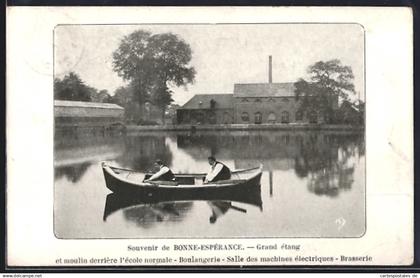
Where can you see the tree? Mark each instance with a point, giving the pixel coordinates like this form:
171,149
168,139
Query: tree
104,96
93,92
71,87
329,81
152,63
171,112
351,113
162,97
124,96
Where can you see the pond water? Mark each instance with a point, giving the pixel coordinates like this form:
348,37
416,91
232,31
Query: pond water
313,185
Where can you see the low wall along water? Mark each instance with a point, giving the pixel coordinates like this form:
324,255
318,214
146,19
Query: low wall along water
135,128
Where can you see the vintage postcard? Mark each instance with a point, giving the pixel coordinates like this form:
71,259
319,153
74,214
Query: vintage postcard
209,136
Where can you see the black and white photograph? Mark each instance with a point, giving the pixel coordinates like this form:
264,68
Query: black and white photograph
209,131
209,137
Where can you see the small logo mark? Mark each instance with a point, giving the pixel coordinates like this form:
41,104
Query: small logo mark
340,222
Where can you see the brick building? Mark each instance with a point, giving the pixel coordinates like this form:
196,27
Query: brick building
207,109
250,103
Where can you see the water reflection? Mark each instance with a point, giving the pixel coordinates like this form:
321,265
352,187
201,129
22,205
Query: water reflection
142,209
141,152
72,172
148,215
310,179
334,176
73,153
327,162
220,208
325,159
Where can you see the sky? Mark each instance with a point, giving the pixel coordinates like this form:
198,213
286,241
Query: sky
222,54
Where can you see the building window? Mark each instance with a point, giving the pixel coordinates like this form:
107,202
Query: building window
199,117
226,118
327,117
212,104
212,118
258,118
285,117
245,100
257,100
299,116
245,117
313,117
271,99
272,117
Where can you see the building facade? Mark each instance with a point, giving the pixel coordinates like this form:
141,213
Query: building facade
260,103
270,103
71,113
207,109
250,103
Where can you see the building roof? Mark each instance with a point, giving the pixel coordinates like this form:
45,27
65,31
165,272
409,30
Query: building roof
264,90
68,103
202,101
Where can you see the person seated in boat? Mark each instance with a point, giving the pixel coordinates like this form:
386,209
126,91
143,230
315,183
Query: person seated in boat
218,171
164,173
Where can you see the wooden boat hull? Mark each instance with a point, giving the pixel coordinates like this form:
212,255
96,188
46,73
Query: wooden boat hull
125,187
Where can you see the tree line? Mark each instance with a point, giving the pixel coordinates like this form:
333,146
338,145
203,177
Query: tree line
72,87
152,64
328,82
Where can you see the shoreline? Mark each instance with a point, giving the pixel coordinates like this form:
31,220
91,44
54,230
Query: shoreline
246,127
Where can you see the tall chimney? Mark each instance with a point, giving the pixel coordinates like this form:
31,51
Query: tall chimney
270,74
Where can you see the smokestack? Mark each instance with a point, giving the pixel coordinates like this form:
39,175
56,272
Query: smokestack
270,74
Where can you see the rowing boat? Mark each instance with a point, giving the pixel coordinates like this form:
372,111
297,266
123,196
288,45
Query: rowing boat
127,181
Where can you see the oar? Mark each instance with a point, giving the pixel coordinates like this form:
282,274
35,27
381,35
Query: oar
149,172
238,208
129,170
124,169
